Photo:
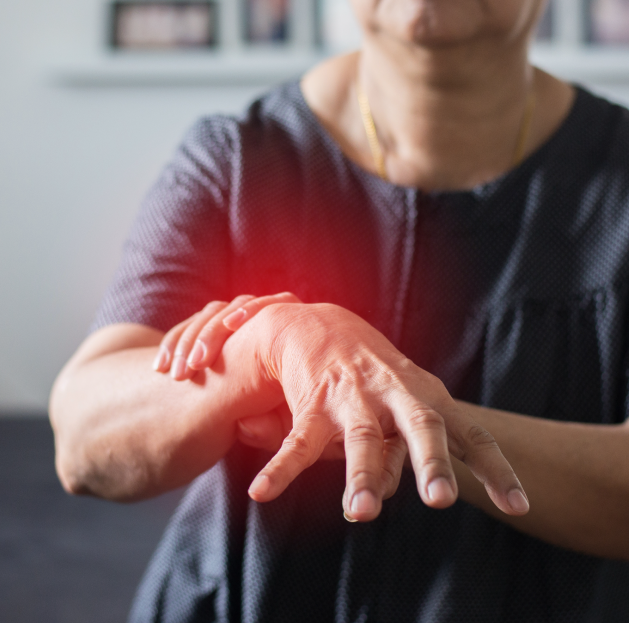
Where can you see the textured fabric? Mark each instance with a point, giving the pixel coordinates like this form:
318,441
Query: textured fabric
515,294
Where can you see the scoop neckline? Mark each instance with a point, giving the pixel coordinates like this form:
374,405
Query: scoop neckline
481,190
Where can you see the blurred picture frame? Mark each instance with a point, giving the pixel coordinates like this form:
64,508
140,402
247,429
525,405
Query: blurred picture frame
545,30
267,21
609,22
158,25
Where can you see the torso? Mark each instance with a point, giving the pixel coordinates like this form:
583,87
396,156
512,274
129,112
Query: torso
515,294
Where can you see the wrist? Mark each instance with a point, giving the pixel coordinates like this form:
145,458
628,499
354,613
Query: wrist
272,328
244,373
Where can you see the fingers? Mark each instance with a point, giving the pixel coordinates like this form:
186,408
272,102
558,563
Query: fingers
300,450
268,431
364,445
248,310
167,346
476,447
196,343
393,460
393,457
212,336
202,342
425,434
210,316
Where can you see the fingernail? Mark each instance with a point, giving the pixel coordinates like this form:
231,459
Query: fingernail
440,489
364,502
161,359
178,369
518,501
348,518
199,351
235,319
260,486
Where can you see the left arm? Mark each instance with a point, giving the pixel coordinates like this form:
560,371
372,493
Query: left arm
576,477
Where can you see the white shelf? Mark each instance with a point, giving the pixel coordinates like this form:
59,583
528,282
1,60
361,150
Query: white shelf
590,64
270,66
251,67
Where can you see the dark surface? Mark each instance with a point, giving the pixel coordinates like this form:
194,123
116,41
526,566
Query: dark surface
65,559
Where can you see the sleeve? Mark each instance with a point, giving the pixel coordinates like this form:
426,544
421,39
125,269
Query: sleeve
176,257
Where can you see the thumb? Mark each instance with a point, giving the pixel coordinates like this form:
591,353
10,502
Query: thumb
262,431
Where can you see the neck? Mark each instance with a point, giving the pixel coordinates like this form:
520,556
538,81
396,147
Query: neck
449,117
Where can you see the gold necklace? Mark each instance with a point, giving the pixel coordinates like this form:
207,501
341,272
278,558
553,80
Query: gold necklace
525,128
376,148
370,129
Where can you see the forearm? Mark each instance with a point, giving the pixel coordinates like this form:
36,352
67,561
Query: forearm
576,477
124,432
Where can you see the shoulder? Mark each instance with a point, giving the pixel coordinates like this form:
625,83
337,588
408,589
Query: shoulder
278,128
574,203
589,153
601,128
600,136
299,115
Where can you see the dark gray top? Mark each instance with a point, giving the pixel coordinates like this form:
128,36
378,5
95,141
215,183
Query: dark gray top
515,294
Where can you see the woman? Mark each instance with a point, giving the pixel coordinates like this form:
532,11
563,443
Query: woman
432,198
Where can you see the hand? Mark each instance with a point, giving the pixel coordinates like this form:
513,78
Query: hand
205,333
344,381
196,342
269,431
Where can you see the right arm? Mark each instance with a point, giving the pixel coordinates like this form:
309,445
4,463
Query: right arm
124,433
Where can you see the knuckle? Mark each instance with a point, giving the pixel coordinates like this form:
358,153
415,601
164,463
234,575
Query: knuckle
403,369
256,305
363,474
477,436
406,366
364,432
211,328
423,417
287,296
213,306
472,441
243,298
436,465
299,445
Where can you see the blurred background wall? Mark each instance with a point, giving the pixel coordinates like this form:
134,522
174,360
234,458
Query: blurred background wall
84,132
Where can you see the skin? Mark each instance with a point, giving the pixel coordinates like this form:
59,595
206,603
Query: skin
575,474
447,84
447,81
117,438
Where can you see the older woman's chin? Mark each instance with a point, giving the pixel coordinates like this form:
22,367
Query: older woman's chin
434,23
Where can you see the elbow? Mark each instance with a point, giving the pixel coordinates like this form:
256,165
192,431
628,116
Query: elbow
70,478
71,470
67,452
83,478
